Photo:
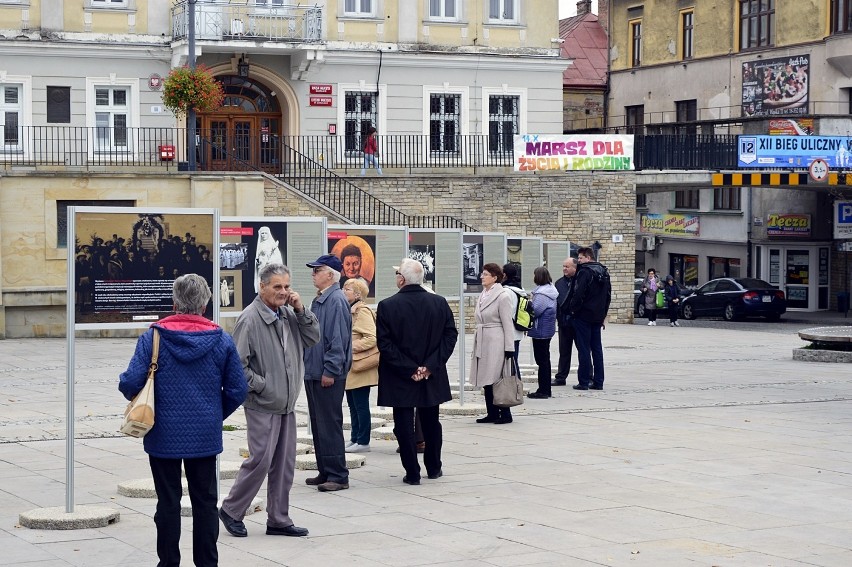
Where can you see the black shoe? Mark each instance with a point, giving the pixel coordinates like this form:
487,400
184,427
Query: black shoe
593,387
435,475
486,419
580,387
558,383
538,396
291,531
315,481
234,527
503,420
412,481
330,486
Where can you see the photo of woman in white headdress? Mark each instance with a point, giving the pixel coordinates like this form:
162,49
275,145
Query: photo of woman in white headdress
267,253
225,293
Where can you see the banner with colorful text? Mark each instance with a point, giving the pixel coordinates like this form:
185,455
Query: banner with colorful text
575,152
675,225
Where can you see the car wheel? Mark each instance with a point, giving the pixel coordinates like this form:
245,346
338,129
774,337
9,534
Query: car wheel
688,312
729,314
640,310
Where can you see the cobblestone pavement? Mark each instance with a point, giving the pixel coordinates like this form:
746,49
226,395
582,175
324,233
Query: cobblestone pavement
709,446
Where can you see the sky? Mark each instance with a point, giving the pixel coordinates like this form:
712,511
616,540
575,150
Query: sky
568,8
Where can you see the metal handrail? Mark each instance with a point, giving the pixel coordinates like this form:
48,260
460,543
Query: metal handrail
247,20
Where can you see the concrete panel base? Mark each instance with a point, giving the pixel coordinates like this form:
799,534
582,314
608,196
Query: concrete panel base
83,517
309,462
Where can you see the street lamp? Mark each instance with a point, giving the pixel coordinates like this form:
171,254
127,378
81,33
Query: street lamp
243,67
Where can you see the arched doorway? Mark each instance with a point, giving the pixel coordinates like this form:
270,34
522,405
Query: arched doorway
245,133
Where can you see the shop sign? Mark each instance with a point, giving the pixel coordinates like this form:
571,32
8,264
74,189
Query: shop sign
575,152
673,225
794,151
790,225
320,101
321,89
791,127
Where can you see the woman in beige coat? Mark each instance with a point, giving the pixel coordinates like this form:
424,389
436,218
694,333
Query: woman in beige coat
358,384
493,341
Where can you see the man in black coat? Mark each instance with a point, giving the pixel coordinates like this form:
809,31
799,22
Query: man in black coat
563,320
416,334
588,304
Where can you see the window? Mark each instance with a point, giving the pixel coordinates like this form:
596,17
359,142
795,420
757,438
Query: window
11,106
687,199
757,23
108,3
726,199
503,122
443,10
359,116
111,113
635,43
59,105
724,268
503,10
686,29
635,119
686,113
444,122
841,16
358,7
641,200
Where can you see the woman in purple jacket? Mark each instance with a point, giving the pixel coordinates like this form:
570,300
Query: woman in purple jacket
544,305
199,383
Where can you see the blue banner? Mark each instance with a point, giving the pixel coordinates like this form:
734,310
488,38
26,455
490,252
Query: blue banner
794,151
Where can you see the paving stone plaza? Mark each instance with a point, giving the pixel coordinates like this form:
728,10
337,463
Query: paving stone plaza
708,446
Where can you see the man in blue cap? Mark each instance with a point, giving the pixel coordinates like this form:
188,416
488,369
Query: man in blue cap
326,366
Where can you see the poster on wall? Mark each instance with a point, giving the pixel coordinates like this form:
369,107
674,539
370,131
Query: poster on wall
775,87
526,255
478,249
574,152
438,251
247,245
126,261
369,253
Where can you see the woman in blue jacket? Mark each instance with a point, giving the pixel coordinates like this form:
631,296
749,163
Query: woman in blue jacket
199,382
544,306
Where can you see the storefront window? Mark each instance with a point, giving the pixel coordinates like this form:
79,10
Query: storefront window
775,267
724,267
690,271
797,267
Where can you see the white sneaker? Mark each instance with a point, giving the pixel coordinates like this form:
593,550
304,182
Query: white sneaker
650,323
671,324
349,444
676,324
356,448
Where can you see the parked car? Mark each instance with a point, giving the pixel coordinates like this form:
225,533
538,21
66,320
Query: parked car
734,298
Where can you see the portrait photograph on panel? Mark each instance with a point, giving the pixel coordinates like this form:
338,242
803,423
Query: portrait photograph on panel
358,256
125,263
514,249
425,254
472,262
226,291
246,248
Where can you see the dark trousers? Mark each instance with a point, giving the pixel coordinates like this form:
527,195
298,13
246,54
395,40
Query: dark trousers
566,343
651,313
403,428
325,406
541,353
673,311
358,400
203,485
589,353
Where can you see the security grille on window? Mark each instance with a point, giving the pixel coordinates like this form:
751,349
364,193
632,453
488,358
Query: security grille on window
111,112
444,120
443,9
358,7
10,112
502,10
503,123
757,23
359,116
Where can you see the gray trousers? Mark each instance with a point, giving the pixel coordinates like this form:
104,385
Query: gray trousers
325,406
272,451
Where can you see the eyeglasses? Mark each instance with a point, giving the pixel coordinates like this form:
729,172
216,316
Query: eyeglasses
398,274
319,269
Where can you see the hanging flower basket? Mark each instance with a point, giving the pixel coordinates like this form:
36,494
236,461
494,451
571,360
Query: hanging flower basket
187,88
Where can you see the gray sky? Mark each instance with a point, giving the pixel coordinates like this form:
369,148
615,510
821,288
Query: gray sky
568,8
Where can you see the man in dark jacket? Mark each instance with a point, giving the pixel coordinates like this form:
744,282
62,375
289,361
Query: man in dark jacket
588,305
416,333
563,320
326,367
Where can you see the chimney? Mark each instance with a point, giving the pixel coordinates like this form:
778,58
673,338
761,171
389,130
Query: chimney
584,7
603,14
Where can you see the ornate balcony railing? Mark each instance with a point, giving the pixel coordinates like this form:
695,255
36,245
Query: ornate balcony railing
250,20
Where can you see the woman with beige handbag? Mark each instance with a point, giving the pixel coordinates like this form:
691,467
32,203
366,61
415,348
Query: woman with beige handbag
365,365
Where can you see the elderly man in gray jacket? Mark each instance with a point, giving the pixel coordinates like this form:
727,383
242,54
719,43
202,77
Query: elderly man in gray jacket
271,334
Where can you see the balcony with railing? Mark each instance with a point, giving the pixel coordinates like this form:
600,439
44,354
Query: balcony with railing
255,20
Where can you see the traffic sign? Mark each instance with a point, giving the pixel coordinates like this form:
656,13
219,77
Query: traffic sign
818,170
842,219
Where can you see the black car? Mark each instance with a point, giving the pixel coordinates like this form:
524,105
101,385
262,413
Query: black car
734,298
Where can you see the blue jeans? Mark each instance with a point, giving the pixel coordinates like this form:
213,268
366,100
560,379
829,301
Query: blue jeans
587,337
371,159
358,400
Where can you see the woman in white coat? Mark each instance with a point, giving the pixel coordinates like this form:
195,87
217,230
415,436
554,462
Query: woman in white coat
493,341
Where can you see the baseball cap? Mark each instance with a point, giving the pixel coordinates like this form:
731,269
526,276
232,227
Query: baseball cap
329,260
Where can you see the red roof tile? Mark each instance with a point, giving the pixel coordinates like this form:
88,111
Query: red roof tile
585,43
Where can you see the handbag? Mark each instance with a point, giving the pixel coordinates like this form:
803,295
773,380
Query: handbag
139,415
661,299
365,360
509,389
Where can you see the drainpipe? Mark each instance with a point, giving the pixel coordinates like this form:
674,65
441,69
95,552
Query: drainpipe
749,268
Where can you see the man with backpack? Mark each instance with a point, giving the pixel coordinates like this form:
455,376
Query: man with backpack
588,306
